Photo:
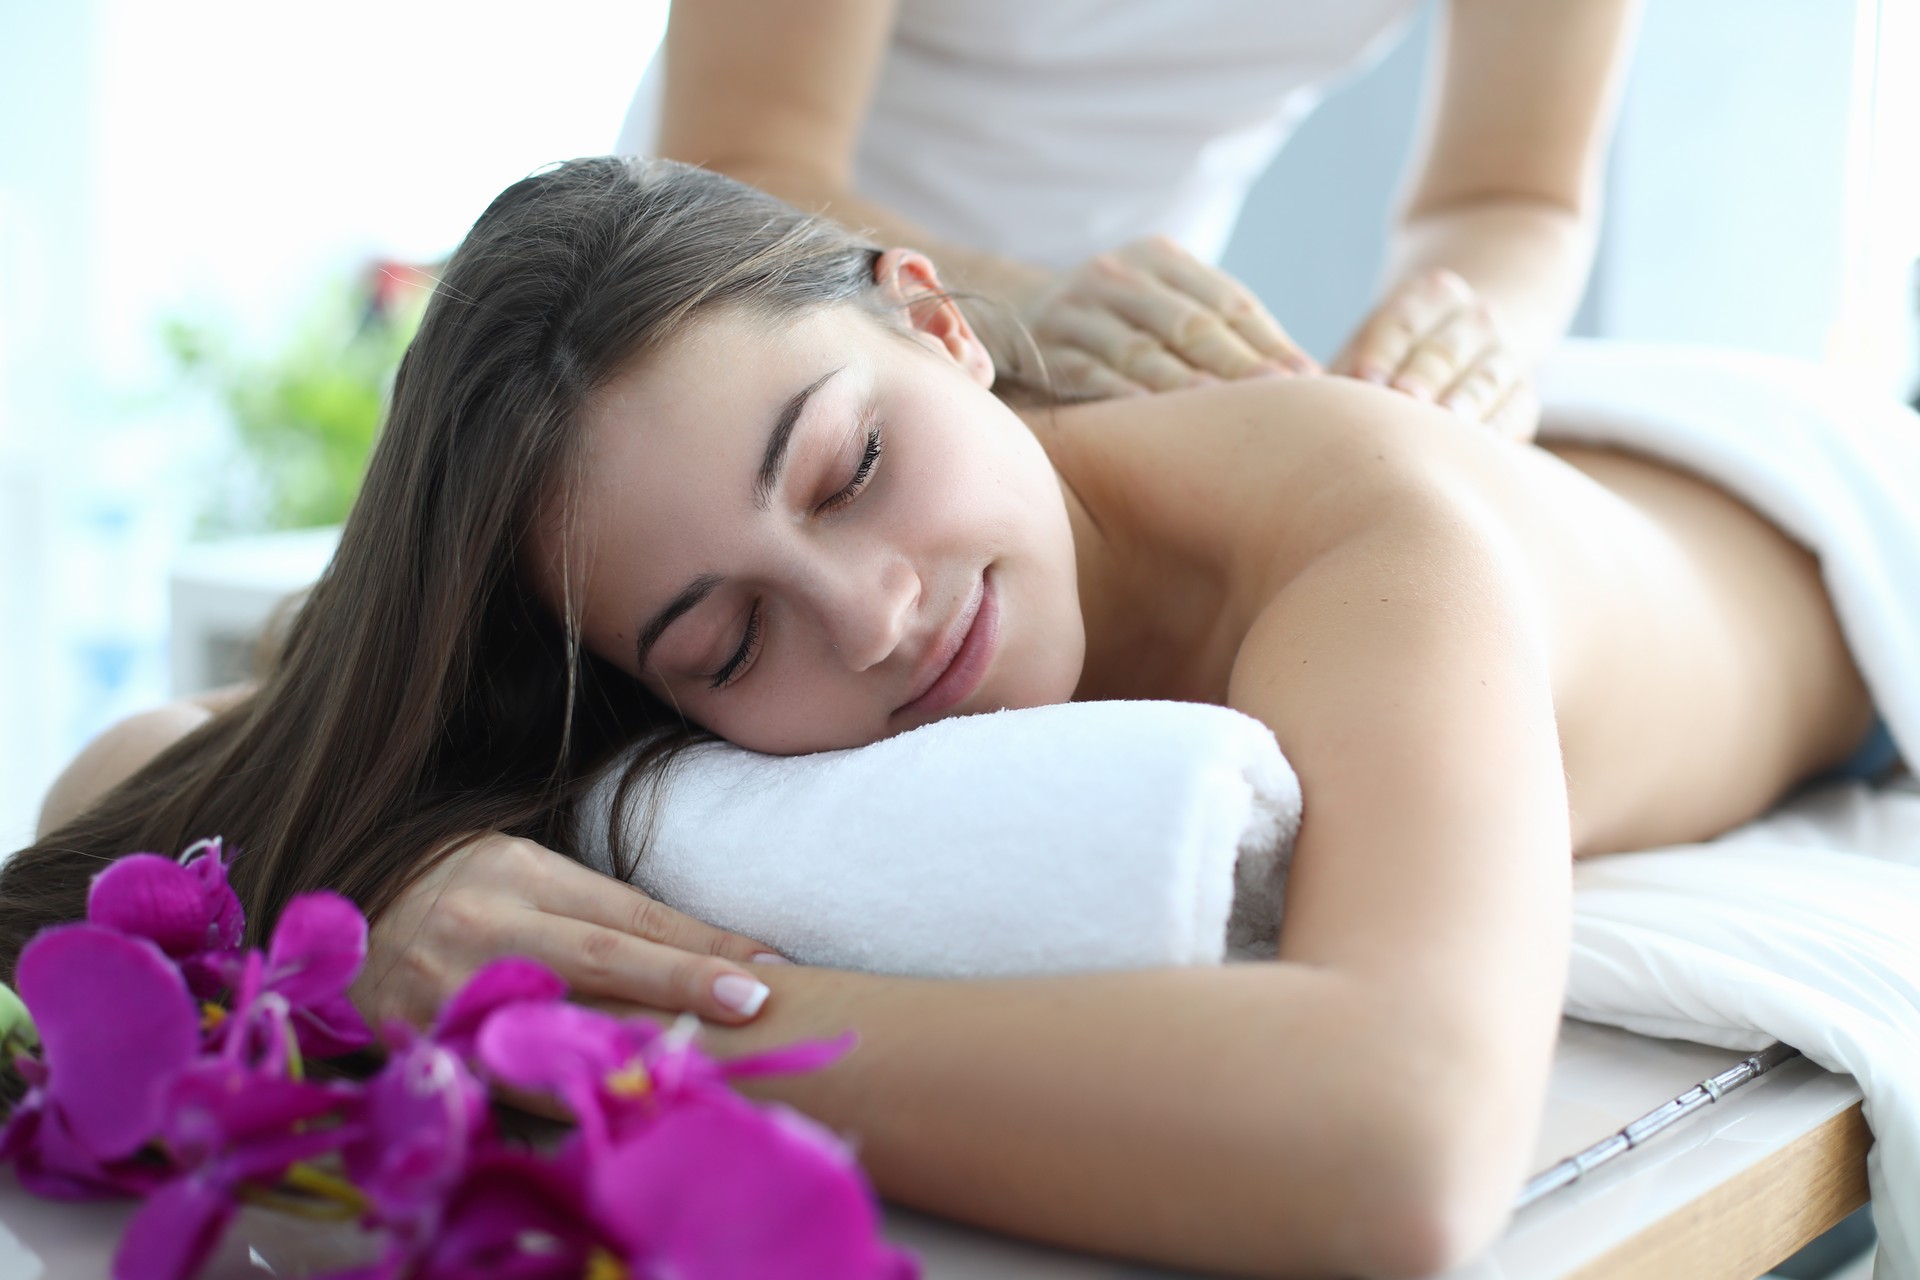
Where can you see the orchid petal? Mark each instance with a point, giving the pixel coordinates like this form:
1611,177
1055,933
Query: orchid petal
507,1201
175,1232
218,1109
508,980
154,897
317,948
423,1114
331,1027
720,1189
227,921
791,1059
546,1047
117,1024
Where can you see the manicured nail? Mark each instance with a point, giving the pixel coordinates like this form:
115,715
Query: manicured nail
767,957
1273,370
1376,376
740,993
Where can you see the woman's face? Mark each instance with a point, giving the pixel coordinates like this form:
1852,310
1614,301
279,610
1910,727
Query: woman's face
817,533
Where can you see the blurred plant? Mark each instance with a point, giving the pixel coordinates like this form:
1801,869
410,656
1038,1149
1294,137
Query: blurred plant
305,416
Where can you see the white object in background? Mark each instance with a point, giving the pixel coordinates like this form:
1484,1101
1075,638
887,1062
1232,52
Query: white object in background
221,595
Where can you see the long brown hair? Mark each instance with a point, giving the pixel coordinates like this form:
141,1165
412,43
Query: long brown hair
421,694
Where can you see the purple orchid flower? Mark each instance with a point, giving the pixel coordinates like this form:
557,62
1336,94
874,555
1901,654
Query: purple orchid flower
423,1119
117,1027
317,949
186,908
513,1216
615,1074
719,1189
508,980
225,1126
672,1154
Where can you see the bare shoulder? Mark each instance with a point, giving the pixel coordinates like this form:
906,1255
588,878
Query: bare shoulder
1292,465
115,755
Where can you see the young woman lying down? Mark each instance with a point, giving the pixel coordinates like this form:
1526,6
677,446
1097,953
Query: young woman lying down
670,455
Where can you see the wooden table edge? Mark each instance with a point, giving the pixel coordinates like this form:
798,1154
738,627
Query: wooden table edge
1741,1228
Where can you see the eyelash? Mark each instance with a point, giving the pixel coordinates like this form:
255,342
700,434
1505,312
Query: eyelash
869,460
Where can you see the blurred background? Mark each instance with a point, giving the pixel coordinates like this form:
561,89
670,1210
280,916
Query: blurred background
212,215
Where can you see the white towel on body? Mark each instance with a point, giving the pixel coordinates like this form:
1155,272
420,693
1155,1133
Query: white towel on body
1108,835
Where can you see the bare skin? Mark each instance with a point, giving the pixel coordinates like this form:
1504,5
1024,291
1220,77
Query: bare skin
1671,605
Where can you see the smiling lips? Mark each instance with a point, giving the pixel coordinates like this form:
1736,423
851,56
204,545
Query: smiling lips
955,666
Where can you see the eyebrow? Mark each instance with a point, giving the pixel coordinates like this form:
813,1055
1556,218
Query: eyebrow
772,462
775,459
696,591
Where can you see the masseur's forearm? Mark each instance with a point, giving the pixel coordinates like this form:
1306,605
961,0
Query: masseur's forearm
1528,258
1258,1118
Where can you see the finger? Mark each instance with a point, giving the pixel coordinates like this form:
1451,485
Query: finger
1442,355
1517,416
1409,314
1482,386
596,960
1081,375
567,888
1135,355
1221,293
1196,334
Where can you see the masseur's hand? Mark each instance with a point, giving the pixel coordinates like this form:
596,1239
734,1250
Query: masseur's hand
1150,316
500,895
1438,340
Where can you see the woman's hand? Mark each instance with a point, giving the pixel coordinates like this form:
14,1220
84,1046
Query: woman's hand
1438,340
1149,316
499,896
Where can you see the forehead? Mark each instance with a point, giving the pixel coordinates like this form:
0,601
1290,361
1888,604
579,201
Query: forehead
727,371
672,443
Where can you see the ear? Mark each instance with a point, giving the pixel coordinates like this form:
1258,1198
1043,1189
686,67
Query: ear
908,281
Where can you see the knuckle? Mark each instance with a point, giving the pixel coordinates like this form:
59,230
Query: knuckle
1196,328
1136,348
649,919
598,957
1240,306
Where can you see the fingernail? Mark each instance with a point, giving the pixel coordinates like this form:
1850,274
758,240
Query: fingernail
767,957
1376,376
1271,370
740,993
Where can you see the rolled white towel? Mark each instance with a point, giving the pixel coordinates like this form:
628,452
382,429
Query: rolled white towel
1091,835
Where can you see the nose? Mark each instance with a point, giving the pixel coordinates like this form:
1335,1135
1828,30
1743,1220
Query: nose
868,610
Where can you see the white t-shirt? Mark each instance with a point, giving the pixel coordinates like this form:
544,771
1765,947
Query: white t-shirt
1048,130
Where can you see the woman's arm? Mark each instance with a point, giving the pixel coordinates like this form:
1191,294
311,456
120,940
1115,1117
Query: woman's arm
494,895
1367,1104
1506,195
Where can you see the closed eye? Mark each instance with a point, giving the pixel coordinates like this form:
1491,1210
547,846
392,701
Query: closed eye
735,665
862,472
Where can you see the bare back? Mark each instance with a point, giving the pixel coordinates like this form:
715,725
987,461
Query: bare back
1698,671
